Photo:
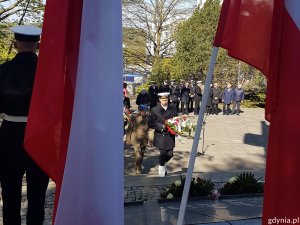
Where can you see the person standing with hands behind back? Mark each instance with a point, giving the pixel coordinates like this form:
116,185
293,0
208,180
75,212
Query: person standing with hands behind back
163,140
16,83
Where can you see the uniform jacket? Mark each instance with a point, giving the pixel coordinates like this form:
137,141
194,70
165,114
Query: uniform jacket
185,94
198,93
175,93
153,91
143,99
162,139
216,95
227,96
16,83
238,95
164,88
137,131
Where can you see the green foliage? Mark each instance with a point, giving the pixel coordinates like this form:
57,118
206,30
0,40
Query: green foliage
245,183
139,88
194,39
199,187
254,100
5,42
161,70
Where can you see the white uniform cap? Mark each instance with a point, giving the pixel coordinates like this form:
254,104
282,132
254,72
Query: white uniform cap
163,94
27,33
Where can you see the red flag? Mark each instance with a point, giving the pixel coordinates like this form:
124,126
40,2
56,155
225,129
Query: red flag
50,115
74,130
266,35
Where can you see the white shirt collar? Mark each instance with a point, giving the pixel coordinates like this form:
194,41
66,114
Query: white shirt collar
165,107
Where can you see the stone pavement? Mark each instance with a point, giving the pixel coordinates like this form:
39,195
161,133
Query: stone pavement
237,211
232,144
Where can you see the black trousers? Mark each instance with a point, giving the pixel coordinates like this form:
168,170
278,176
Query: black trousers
14,163
236,107
185,107
165,156
175,105
215,108
191,104
226,108
197,106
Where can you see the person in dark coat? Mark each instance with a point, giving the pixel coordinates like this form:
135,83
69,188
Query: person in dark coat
184,98
197,97
164,88
227,98
181,86
126,101
191,97
209,101
16,83
163,140
216,94
153,91
238,98
143,98
174,95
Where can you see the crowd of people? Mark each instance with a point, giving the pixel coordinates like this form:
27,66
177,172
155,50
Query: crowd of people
186,97
166,102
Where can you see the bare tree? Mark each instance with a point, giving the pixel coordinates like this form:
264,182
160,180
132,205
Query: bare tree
13,10
156,21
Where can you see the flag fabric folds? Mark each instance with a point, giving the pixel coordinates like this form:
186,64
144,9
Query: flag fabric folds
92,188
47,131
80,145
266,35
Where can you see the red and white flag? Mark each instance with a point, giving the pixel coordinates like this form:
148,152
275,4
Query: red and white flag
75,125
266,34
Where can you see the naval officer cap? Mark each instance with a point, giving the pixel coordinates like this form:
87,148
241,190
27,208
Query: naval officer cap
163,95
27,33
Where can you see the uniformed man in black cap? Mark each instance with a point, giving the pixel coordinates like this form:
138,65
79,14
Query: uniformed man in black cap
174,95
16,83
153,91
163,140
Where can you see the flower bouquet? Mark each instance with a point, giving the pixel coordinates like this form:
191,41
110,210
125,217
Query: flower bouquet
188,126
180,126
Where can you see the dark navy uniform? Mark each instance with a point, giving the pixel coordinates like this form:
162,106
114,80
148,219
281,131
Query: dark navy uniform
16,82
163,140
174,96
185,94
197,98
153,91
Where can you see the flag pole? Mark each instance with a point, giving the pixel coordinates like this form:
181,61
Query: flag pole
189,174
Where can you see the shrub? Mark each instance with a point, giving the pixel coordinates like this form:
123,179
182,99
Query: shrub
199,187
245,183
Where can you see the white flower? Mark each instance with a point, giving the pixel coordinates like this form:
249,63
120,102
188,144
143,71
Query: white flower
170,196
232,180
177,183
195,181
